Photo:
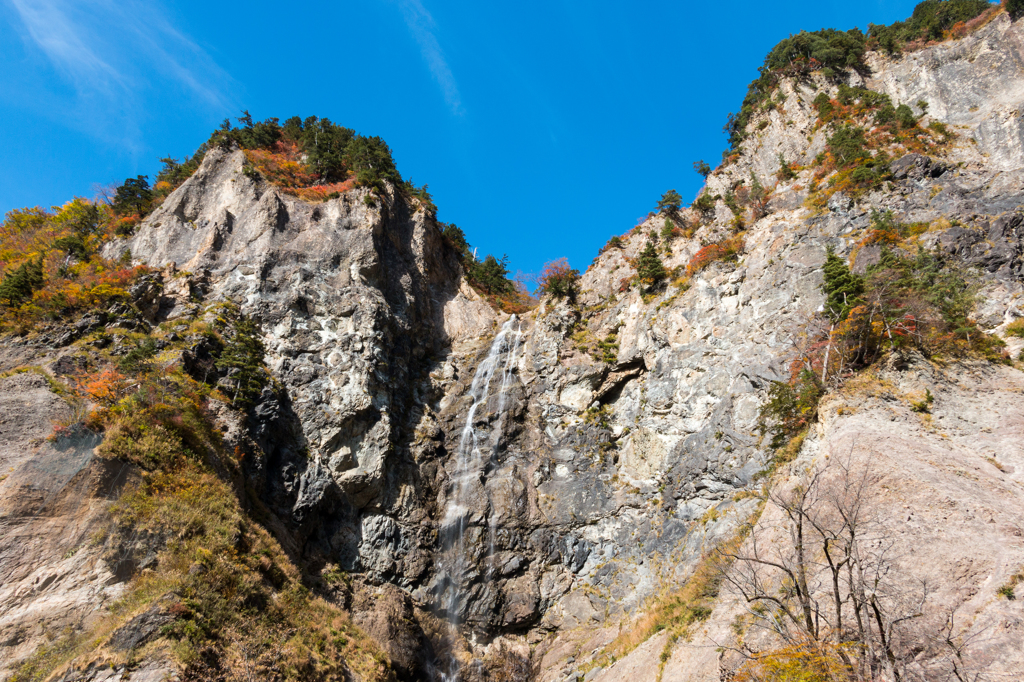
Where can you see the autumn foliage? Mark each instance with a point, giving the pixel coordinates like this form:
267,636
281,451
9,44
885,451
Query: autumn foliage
803,660
282,165
559,280
720,251
66,240
105,388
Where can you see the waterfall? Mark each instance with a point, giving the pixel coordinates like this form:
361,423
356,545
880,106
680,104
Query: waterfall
477,446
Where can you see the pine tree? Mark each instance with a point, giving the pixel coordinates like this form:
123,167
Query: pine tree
370,158
491,275
670,202
134,196
842,288
785,170
703,168
649,268
243,359
668,230
18,286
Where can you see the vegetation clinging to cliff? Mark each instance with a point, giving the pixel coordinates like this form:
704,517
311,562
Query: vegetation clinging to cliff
832,51
904,301
488,275
232,600
52,266
559,280
930,20
797,55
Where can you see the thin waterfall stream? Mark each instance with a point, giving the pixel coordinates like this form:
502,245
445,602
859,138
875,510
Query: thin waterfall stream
478,445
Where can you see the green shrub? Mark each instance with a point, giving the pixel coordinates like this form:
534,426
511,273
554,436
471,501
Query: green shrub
669,230
929,21
608,349
886,114
790,407
824,106
242,358
614,242
848,144
867,98
704,204
137,359
785,170
732,203
757,198
926,277
124,229
923,406
150,446
1015,8
421,193
905,117
1016,328
942,129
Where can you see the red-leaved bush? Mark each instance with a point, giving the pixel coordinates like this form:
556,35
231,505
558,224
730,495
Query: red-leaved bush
720,251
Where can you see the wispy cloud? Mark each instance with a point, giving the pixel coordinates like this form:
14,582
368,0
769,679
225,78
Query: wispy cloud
109,56
424,31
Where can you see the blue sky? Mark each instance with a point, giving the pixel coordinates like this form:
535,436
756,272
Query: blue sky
542,128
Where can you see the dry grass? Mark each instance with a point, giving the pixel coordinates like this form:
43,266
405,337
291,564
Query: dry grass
677,610
1016,328
239,607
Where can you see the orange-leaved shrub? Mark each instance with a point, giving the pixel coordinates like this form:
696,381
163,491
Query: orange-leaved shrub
559,280
719,251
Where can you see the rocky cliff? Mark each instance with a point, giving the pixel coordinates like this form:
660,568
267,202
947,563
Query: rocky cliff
618,446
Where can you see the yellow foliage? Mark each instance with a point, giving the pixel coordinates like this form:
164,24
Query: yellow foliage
802,661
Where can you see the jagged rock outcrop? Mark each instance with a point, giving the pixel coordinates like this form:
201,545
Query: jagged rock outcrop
373,340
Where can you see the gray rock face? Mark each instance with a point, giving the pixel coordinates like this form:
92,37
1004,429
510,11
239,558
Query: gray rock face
973,84
53,499
355,302
626,440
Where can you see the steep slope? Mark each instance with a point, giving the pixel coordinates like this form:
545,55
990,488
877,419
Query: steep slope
354,300
584,485
709,352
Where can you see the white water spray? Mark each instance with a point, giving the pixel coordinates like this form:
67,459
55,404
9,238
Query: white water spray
477,446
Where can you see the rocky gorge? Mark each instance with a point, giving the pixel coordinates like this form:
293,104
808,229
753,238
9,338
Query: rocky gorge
520,496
